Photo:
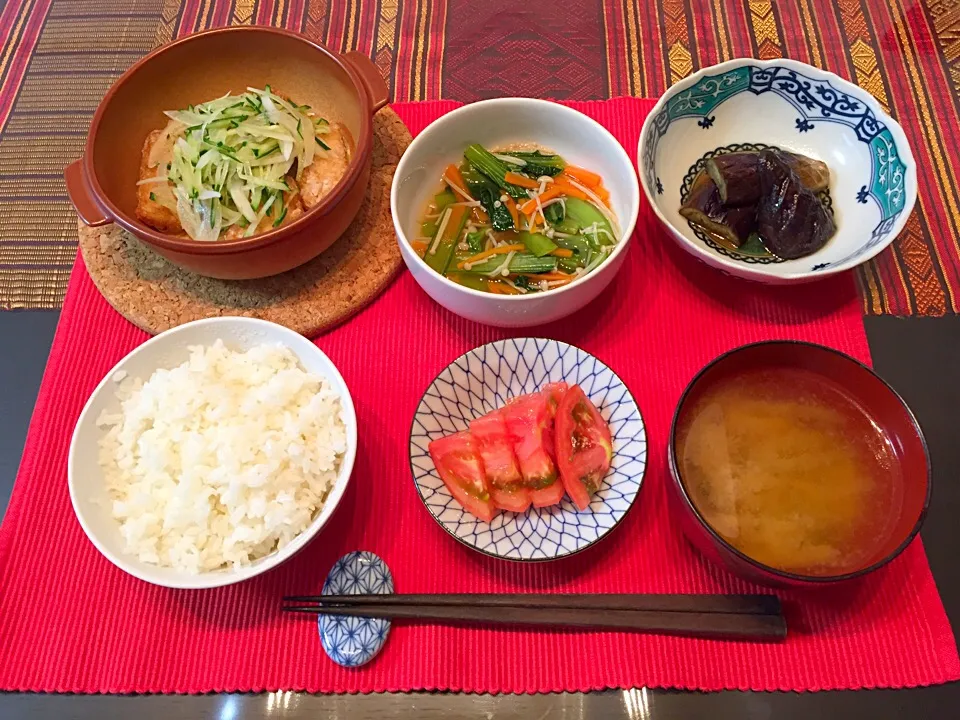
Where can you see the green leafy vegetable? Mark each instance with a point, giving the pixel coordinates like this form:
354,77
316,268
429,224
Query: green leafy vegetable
568,225
521,263
428,228
476,241
593,224
484,190
441,200
582,251
494,168
536,243
554,213
441,249
538,163
523,282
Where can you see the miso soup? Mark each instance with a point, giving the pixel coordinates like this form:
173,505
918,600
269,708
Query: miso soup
790,470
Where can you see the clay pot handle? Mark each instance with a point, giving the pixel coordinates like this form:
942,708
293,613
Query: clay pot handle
79,192
373,81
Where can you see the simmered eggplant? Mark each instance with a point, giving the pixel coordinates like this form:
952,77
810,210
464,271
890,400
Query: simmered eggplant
731,225
735,174
814,174
762,203
790,217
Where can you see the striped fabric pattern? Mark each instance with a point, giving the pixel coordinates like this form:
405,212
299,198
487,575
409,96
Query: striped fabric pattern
61,63
59,56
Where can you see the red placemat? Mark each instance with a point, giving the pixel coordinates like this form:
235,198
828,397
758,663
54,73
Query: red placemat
70,621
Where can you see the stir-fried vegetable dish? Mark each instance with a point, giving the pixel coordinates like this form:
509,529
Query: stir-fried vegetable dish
239,165
515,222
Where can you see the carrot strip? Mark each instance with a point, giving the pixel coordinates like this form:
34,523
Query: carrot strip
582,175
498,288
571,191
452,177
558,188
568,189
512,207
419,245
601,192
490,253
562,252
530,206
480,216
521,180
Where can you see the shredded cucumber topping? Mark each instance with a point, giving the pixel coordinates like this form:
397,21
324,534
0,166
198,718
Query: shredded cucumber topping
233,156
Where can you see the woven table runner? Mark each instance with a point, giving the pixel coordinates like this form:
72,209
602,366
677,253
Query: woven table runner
60,56
70,621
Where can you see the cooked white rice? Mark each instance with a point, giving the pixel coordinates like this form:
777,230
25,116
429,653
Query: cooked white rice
223,459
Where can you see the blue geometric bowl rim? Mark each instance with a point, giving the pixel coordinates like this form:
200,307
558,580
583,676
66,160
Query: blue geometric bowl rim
761,272
592,543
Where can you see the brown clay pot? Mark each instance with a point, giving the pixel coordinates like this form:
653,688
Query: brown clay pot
347,88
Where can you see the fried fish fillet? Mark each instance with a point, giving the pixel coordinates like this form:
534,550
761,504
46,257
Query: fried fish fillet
328,166
149,210
155,201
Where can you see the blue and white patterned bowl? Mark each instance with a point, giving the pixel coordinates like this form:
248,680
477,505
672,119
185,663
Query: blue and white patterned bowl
355,641
482,380
782,103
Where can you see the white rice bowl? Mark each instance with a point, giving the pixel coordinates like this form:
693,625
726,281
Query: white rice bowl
212,452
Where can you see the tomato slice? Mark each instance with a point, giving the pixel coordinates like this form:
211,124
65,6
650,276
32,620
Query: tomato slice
584,446
512,500
528,421
554,393
550,495
503,474
461,469
553,494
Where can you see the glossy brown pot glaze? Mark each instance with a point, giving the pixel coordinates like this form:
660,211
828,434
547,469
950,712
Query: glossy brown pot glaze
346,88
891,414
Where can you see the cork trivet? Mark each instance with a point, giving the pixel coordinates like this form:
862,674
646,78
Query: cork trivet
156,295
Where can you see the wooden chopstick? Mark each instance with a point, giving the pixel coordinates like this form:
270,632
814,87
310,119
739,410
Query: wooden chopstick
738,604
723,625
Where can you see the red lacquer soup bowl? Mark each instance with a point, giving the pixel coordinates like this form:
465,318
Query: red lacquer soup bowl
884,413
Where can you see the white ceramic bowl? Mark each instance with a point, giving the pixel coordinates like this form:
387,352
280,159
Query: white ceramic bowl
782,103
169,349
576,137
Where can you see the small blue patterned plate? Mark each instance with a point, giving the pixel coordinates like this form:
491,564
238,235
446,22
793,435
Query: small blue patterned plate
355,641
482,380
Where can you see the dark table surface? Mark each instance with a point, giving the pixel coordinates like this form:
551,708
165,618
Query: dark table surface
916,356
